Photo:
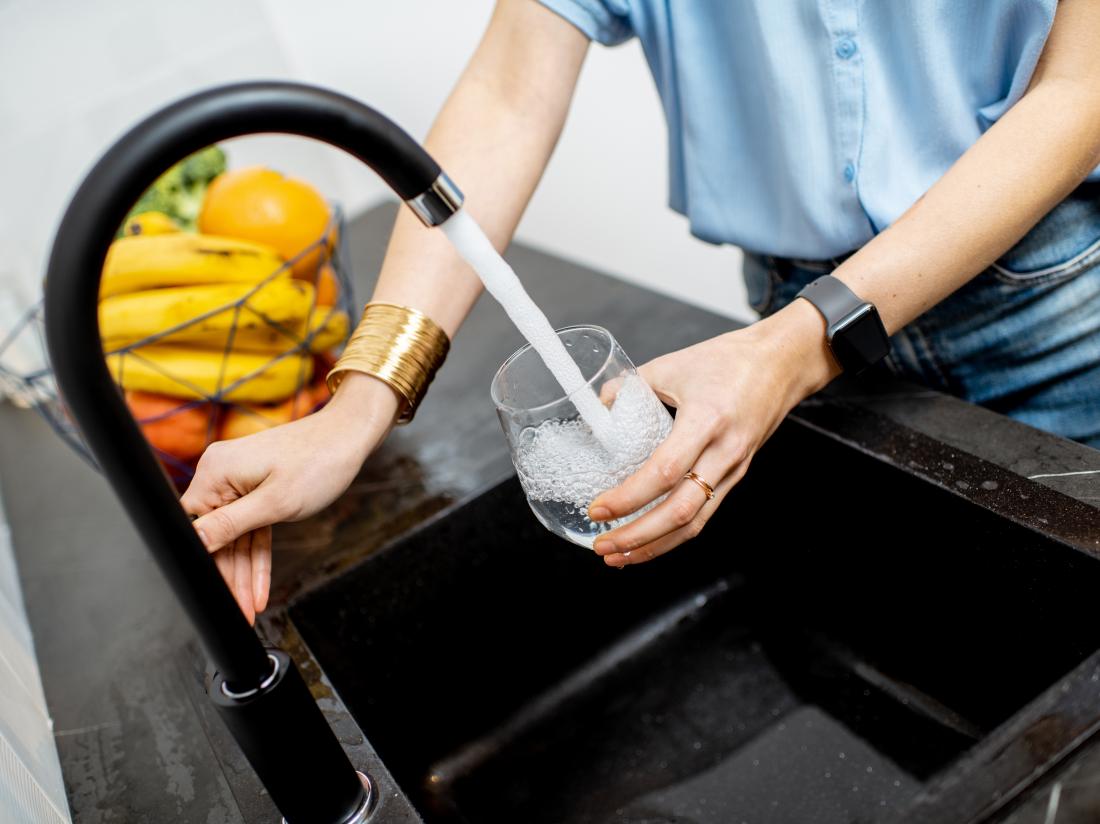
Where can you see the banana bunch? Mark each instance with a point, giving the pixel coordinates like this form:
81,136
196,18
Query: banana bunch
327,327
191,316
189,372
142,261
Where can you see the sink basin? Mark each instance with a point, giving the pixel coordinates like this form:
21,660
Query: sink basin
843,639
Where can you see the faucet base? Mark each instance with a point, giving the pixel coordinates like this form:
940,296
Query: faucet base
366,808
283,734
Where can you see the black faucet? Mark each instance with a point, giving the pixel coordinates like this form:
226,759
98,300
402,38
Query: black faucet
258,691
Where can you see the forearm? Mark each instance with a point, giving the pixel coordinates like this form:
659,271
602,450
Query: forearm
1033,157
1028,162
494,138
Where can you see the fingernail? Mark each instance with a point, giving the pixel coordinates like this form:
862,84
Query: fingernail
203,538
265,594
599,513
604,547
615,561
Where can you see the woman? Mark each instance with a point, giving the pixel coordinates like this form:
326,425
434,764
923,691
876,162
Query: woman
904,148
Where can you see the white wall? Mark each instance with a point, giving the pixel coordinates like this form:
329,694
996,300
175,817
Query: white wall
32,790
78,73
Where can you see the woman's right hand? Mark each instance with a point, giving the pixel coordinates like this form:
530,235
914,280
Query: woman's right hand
242,487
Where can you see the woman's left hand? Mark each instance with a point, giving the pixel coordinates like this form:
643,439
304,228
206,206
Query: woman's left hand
730,394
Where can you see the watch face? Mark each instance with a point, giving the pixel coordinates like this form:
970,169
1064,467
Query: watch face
859,340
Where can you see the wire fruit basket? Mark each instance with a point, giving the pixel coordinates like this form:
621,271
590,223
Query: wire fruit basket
222,370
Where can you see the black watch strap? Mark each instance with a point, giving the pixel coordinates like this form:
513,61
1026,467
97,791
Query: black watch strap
833,299
854,330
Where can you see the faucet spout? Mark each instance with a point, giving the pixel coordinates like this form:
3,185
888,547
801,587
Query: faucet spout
314,782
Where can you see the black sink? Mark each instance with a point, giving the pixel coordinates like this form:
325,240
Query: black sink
844,641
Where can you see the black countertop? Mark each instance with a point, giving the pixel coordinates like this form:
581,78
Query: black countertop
122,676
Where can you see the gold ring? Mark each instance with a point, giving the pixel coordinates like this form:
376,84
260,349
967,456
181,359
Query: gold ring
708,490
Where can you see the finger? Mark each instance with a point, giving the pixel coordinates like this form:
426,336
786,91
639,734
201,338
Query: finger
685,533
223,525
203,493
668,464
196,501
261,567
224,560
662,379
242,552
676,511
610,390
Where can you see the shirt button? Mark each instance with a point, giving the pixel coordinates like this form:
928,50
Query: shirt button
845,48
849,172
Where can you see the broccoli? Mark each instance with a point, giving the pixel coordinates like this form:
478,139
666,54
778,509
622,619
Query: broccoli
203,166
179,191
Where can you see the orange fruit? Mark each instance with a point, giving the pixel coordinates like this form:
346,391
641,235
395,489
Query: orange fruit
248,418
170,424
319,392
328,287
264,206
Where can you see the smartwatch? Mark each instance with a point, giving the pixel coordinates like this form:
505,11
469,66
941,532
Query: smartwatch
854,330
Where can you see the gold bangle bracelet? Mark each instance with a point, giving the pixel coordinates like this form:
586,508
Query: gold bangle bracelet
400,346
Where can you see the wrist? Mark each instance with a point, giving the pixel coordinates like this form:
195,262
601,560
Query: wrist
797,342
365,408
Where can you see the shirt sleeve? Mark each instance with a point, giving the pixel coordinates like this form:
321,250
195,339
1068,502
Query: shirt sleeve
605,21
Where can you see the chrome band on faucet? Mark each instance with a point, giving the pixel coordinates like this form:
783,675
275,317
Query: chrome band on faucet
267,682
366,807
438,203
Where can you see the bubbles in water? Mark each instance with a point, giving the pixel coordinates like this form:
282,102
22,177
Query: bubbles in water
562,461
563,467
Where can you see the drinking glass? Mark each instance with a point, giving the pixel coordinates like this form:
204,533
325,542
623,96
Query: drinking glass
561,465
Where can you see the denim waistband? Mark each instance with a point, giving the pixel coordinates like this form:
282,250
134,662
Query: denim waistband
1072,227
783,264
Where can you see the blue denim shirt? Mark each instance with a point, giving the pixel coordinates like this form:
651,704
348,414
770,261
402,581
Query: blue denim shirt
801,128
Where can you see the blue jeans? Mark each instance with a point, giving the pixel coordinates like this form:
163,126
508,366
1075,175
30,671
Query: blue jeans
1021,338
